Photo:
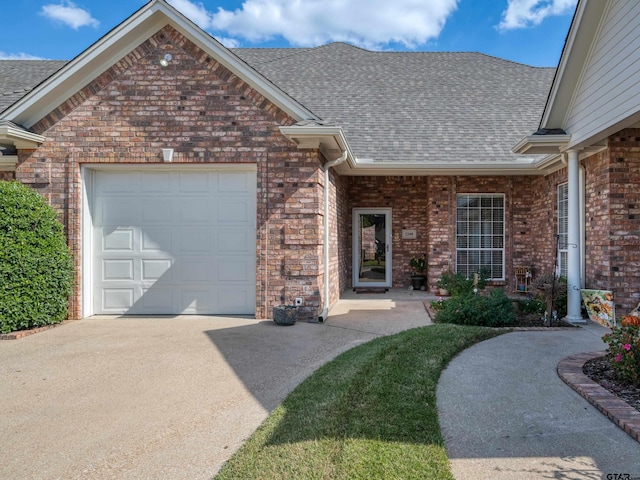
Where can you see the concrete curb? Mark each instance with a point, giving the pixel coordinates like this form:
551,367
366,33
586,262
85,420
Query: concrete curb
618,411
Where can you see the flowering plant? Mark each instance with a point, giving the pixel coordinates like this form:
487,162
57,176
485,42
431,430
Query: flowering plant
623,352
418,264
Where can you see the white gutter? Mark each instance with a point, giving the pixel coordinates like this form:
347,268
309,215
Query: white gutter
326,167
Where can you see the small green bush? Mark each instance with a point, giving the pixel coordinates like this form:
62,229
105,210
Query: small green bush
493,310
560,297
533,305
457,284
36,267
623,352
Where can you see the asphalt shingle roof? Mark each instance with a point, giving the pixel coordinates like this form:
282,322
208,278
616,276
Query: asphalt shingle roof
392,106
18,77
413,106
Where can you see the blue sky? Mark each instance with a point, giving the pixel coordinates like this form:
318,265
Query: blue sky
525,31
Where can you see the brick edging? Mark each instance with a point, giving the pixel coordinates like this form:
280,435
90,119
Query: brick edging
617,410
25,333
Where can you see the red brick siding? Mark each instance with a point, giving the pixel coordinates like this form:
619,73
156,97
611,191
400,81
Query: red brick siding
207,115
613,219
408,199
541,215
428,205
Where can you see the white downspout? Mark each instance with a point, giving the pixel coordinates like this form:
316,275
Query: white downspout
326,167
583,226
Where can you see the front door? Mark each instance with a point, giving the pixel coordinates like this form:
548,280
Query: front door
372,247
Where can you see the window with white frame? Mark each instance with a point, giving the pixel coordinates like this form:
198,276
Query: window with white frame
563,228
480,234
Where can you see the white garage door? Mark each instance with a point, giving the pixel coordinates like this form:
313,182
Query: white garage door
169,242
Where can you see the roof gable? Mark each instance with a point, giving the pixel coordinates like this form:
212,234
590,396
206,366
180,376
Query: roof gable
124,38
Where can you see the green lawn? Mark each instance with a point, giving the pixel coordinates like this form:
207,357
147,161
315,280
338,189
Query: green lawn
369,414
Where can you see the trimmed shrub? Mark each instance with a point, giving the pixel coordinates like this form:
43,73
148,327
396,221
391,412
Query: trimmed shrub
494,310
36,267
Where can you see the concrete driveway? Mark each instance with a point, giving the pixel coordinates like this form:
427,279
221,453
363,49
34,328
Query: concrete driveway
174,397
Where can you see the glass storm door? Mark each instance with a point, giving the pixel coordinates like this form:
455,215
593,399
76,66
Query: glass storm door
372,247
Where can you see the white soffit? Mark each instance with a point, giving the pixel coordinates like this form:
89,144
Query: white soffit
119,42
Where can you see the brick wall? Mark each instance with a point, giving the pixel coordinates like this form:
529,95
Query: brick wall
207,115
540,217
613,219
407,197
428,205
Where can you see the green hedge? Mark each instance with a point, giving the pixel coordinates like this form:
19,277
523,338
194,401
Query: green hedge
493,310
36,267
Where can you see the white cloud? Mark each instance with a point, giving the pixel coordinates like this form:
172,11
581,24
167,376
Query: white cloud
195,11
228,42
367,23
69,14
527,13
18,56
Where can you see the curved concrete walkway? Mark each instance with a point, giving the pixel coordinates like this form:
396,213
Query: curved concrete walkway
506,414
138,398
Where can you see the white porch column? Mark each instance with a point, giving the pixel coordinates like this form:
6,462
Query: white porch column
573,248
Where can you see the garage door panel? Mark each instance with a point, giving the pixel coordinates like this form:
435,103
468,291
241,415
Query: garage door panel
234,240
199,182
119,212
197,300
233,300
196,270
118,240
117,183
174,242
234,269
156,239
117,269
234,212
153,269
117,300
156,211
193,211
195,240
156,182
234,183
156,299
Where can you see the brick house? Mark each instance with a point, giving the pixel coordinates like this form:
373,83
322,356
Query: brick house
196,179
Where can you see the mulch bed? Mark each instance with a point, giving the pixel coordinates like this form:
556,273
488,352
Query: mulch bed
599,370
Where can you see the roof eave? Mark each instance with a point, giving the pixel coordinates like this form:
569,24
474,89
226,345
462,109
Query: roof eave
541,144
585,24
330,140
21,139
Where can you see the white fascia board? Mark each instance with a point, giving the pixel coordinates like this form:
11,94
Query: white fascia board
321,137
577,47
529,166
118,43
8,163
20,138
541,144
